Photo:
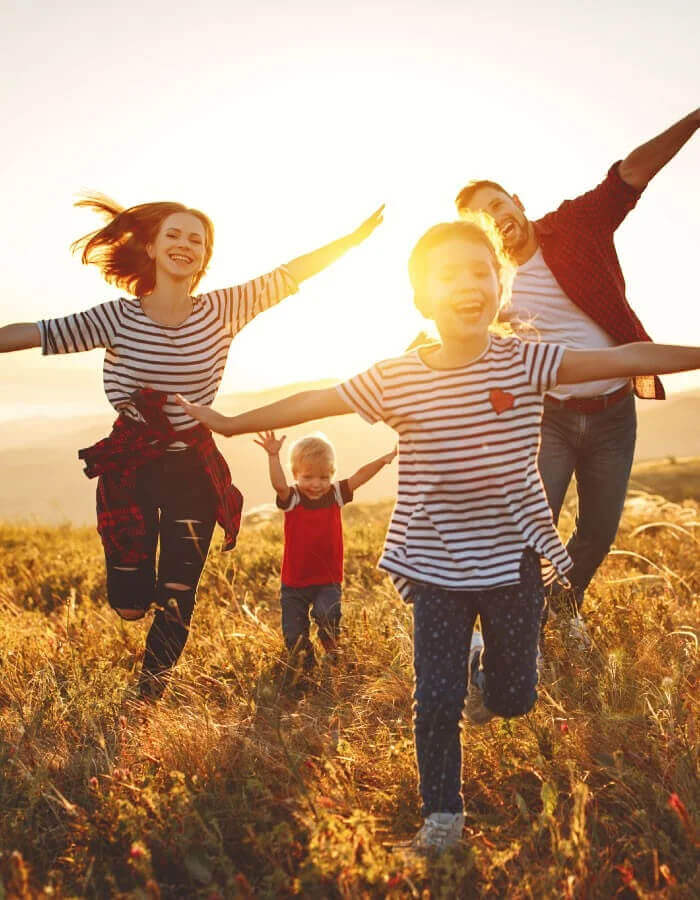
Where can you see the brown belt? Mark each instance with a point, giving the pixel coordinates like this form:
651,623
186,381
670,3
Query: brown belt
590,404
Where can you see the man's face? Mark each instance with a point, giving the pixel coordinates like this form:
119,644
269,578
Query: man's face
508,214
461,289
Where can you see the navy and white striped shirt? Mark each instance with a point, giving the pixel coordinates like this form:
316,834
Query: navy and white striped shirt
470,496
188,358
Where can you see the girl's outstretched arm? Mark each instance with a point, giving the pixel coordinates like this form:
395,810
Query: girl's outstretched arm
304,267
370,469
292,410
20,336
641,358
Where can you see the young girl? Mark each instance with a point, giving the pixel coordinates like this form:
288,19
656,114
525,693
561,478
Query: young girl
160,479
312,566
471,520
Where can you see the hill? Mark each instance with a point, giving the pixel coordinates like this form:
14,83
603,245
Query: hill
235,787
42,478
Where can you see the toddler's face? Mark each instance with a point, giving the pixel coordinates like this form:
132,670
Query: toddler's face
313,477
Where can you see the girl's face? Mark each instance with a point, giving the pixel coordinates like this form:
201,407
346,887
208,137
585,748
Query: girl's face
314,477
461,289
179,248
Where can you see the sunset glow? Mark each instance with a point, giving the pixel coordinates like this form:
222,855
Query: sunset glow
288,128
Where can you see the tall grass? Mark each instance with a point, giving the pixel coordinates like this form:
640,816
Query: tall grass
233,786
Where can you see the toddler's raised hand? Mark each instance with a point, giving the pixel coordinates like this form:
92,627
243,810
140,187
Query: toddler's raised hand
269,442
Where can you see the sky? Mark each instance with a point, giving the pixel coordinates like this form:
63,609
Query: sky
290,122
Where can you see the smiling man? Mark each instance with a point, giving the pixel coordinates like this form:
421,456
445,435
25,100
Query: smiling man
569,289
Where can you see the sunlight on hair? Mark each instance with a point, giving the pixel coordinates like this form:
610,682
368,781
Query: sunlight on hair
508,268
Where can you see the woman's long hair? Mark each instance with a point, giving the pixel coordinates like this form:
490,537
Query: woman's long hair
119,249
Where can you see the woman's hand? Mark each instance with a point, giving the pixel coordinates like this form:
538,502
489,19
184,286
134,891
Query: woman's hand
363,232
269,442
213,420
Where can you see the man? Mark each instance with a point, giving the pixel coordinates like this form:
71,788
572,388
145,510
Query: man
569,289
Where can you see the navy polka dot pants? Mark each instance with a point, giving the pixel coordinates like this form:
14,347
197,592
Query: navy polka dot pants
442,629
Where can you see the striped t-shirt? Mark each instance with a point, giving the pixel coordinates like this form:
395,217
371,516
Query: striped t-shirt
188,358
470,497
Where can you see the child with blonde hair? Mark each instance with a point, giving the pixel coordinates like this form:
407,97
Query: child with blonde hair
312,565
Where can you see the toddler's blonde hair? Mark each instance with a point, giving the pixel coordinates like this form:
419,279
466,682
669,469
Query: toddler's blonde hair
314,446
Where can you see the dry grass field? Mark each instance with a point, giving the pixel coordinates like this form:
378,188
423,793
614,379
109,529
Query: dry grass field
233,787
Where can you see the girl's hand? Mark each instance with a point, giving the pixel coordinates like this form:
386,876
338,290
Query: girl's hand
389,457
213,420
363,232
269,442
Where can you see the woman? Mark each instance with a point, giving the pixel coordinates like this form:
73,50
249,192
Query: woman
161,480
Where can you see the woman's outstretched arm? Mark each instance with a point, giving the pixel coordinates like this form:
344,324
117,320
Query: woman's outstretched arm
641,358
304,267
294,410
20,336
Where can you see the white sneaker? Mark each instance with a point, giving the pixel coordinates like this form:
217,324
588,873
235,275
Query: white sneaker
439,832
578,632
476,710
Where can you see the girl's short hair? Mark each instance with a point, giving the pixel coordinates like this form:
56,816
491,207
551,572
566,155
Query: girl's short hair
477,227
119,249
314,446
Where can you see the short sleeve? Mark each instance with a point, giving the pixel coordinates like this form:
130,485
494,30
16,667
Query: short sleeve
541,362
343,492
291,501
80,331
365,394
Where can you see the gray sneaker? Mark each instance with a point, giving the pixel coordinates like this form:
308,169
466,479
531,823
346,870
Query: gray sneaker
439,832
476,710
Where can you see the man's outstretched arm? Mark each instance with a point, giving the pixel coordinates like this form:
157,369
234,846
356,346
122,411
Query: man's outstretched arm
639,167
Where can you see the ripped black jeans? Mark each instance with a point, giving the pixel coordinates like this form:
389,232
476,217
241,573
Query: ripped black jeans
179,508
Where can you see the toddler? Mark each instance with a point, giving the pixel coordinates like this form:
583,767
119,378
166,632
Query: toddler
312,565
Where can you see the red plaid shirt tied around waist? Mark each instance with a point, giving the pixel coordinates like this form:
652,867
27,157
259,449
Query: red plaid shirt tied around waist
577,245
132,443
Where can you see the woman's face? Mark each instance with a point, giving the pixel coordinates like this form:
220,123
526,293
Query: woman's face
179,247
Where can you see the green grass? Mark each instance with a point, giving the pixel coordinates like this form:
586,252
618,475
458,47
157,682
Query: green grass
231,788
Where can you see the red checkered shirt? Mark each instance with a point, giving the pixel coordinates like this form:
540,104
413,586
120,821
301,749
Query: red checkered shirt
132,443
577,245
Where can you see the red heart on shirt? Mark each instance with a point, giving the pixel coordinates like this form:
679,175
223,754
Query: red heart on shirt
501,400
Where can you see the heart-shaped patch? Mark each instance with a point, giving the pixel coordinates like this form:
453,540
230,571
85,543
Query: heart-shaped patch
501,400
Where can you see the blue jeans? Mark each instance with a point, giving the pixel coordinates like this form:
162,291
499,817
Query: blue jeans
598,448
323,602
442,629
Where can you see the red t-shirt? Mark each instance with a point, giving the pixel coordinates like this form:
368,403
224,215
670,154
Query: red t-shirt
313,536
